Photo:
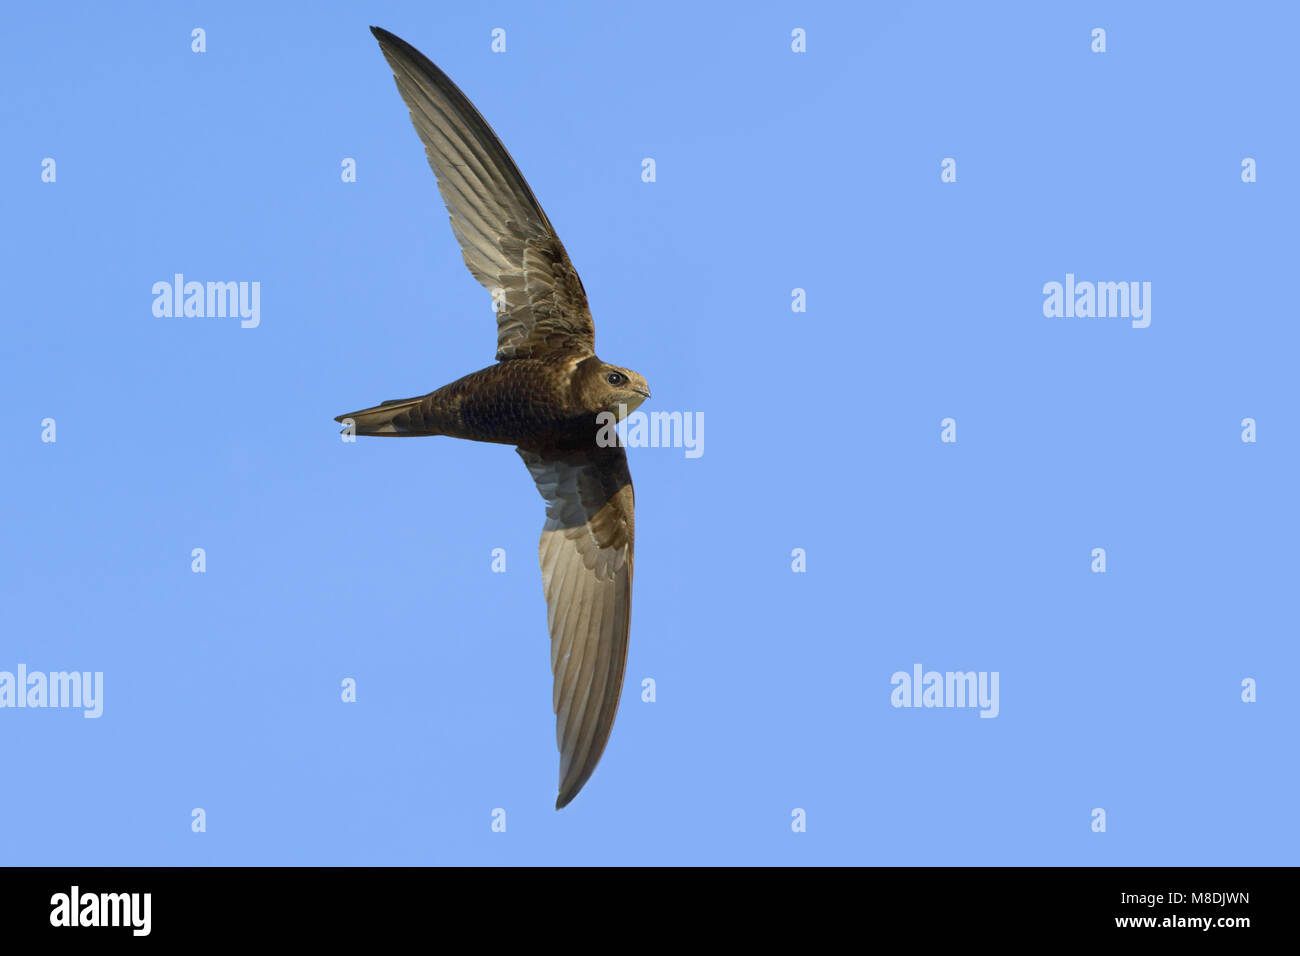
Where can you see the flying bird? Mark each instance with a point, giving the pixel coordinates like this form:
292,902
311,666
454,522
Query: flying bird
543,395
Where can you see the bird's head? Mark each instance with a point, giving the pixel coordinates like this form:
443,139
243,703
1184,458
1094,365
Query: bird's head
611,388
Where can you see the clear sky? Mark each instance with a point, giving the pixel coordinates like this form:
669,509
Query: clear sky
775,171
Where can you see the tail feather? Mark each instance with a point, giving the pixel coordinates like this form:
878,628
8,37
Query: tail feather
395,418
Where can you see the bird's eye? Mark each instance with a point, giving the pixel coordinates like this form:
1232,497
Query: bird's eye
615,378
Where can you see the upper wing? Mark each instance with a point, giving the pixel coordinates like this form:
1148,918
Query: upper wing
586,556
507,241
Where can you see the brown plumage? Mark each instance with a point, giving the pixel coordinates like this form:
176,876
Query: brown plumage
543,396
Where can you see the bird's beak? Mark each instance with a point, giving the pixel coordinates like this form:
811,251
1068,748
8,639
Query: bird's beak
642,391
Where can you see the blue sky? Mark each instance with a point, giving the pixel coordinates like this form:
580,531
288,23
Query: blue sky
775,171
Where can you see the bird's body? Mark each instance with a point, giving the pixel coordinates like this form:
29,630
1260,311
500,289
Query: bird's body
532,403
548,395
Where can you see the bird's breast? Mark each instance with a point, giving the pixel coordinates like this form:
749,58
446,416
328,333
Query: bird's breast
518,402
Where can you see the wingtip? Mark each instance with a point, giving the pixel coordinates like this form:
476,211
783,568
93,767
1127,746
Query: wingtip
563,800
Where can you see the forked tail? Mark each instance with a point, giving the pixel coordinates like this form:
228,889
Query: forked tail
395,419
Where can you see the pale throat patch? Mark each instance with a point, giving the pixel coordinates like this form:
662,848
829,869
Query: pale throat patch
623,409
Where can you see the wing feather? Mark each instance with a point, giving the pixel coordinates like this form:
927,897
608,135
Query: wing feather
506,239
586,552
